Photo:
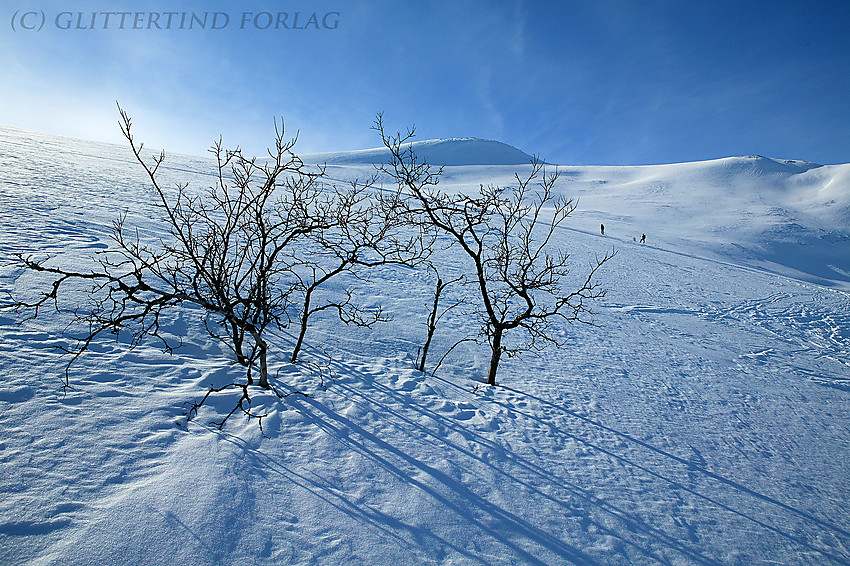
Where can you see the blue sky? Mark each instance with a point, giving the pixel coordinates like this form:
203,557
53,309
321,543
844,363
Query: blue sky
591,82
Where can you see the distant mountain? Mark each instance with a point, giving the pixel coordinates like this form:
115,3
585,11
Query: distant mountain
784,215
452,152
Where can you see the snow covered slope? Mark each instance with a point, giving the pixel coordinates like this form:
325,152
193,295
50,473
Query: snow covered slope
453,151
705,420
788,217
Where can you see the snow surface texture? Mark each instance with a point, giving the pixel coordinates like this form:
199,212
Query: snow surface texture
704,421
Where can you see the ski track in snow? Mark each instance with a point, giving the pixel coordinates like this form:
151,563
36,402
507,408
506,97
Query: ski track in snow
703,421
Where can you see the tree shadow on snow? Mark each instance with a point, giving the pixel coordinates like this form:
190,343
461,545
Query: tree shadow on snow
517,535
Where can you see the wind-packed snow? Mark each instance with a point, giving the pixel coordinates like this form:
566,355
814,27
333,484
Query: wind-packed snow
704,420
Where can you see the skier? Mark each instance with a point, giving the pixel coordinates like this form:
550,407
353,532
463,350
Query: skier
643,238
602,229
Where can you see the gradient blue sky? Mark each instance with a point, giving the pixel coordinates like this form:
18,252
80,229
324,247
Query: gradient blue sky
591,82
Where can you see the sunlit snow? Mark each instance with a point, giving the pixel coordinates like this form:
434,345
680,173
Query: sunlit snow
703,420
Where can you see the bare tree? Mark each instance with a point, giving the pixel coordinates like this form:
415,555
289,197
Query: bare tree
369,229
505,233
227,251
435,316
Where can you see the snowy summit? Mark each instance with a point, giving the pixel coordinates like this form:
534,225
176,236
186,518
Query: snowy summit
451,152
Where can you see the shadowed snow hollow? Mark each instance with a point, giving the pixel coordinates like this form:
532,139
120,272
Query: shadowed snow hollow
452,152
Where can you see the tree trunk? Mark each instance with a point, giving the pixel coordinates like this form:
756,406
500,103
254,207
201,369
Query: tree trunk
304,314
264,368
237,344
497,354
432,324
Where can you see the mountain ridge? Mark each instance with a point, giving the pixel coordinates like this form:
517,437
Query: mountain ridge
443,151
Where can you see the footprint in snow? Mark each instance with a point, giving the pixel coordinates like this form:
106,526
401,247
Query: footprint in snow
464,415
459,411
